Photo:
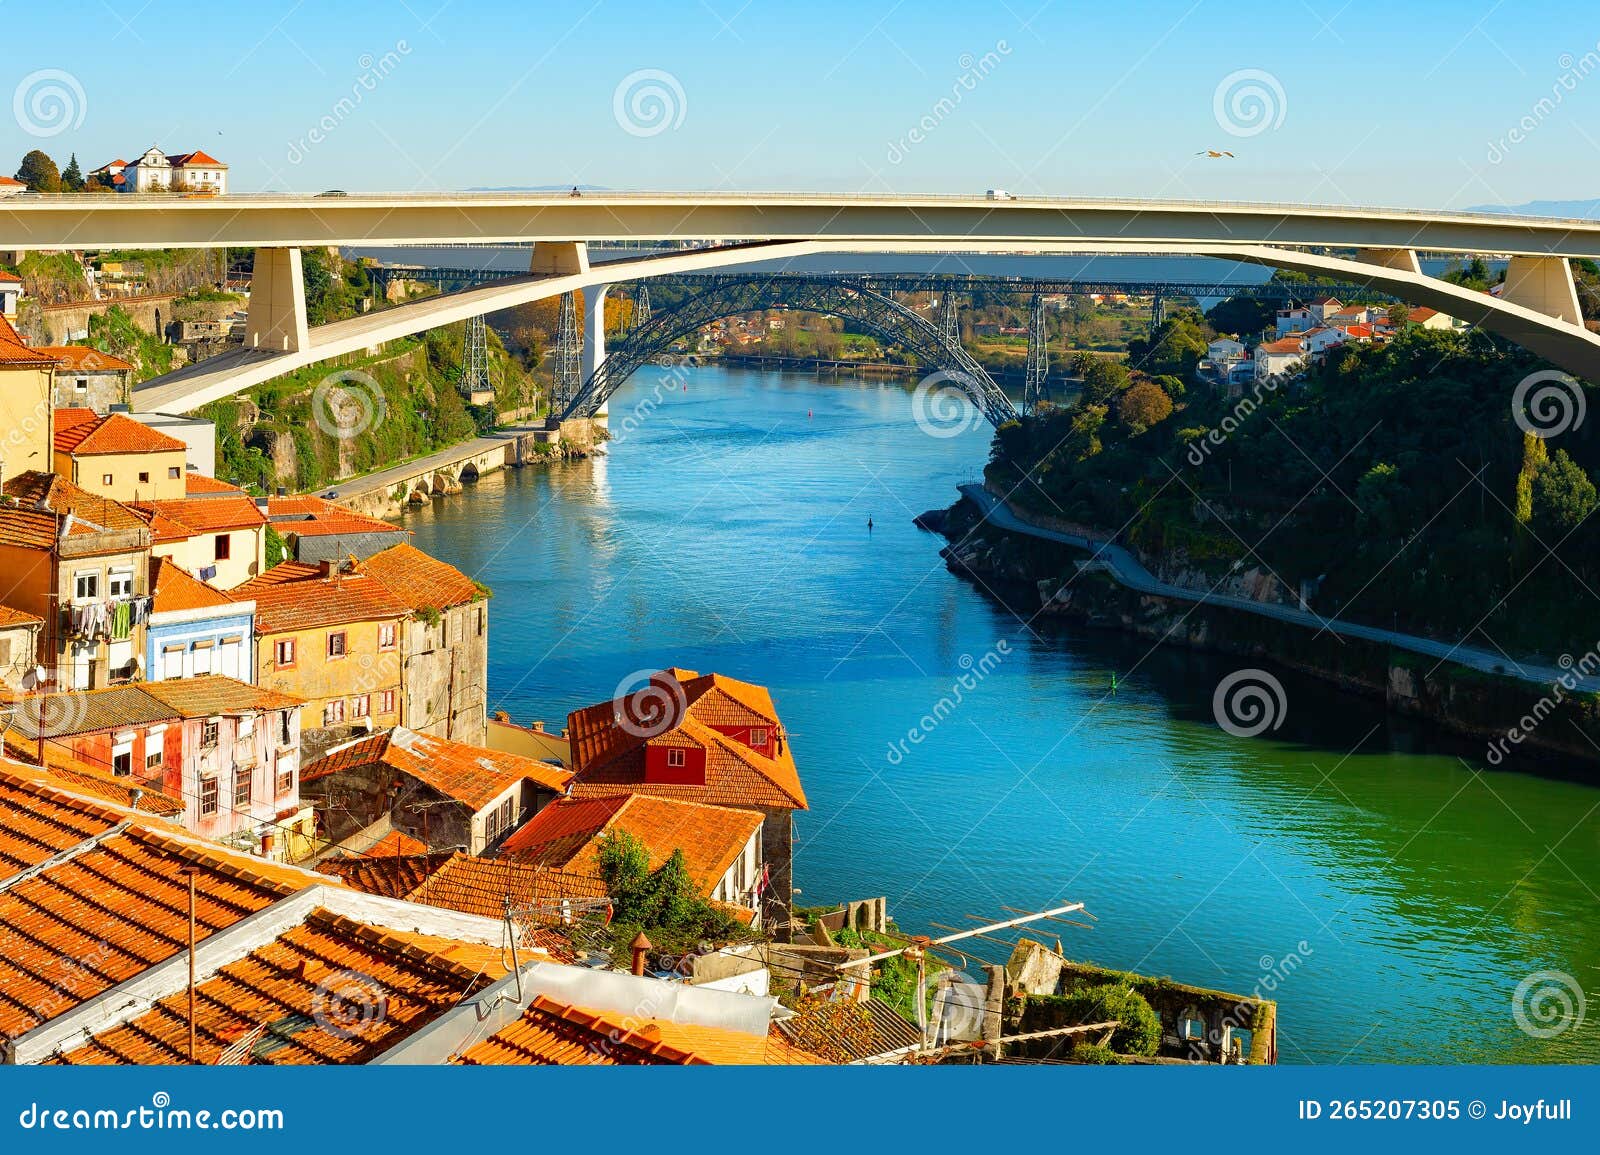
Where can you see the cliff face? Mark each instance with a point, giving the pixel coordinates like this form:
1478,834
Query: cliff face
1522,725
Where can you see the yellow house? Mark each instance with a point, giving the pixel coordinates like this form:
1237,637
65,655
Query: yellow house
118,457
217,532
331,635
26,426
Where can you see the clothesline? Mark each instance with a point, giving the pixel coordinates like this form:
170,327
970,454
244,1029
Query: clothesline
113,619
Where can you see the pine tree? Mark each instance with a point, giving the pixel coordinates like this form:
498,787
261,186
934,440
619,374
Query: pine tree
72,176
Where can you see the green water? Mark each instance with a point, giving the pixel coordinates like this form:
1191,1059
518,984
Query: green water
1391,895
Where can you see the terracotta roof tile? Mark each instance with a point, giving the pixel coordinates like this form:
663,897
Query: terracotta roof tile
206,514
472,775
482,886
608,743
551,1033
79,776
57,715
391,875
84,359
174,589
198,484
420,581
567,834
113,433
52,493
12,618
213,694
111,909
293,986
295,596
14,352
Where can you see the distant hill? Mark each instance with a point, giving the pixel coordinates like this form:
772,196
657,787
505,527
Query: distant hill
1589,208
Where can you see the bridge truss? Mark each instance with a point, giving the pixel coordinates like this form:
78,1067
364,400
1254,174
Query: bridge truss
729,295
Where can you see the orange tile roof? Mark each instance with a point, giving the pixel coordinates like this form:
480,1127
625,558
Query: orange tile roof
196,157
567,834
196,484
214,694
28,528
52,493
331,990
471,775
85,359
295,596
608,756
390,875
12,618
79,776
551,1033
174,589
113,433
206,514
307,516
397,842
14,352
113,907
420,581
482,886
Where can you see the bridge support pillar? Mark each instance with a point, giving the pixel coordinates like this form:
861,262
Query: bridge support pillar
559,258
277,316
1403,259
1545,285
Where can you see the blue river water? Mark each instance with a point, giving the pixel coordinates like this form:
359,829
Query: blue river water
1400,901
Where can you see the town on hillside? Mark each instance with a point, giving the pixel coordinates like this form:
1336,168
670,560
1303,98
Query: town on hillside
282,703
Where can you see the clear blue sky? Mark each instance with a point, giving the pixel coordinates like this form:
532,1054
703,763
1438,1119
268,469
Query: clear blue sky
1380,103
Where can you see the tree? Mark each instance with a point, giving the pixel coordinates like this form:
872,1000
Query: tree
39,173
1103,380
1142,405
72,176
1399,314
1563,496
1243,315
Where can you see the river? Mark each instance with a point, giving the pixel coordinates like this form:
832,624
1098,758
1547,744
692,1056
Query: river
1389,894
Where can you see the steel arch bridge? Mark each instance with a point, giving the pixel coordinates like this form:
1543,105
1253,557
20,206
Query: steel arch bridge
860,302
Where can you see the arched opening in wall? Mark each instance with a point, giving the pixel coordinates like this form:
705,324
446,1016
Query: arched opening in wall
440,483
420,495
469,473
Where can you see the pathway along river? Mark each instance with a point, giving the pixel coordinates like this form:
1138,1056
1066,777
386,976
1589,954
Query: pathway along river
1391,896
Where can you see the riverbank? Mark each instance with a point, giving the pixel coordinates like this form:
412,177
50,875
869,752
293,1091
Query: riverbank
1535,720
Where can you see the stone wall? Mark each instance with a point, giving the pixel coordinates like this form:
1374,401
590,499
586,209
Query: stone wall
445,674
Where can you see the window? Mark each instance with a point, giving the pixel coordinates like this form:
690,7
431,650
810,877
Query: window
360,706
152,756
241,789
333,712
81,385
1191,1029
202,657
675,756
144,479
208,795
285,777
174,472
758,736
105,479
386,702
119,583
209,730
5,651
285,729
283,652
505,814
224,547
386,634
336,644
122,761
86,584
480,621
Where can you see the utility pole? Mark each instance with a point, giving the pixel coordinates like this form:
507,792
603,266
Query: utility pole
190,872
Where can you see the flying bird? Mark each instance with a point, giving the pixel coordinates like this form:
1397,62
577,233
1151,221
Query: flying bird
1213,153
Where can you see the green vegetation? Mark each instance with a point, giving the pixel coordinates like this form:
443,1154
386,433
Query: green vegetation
1138,1034
1393,478
663,902
894,980
39,173
117,333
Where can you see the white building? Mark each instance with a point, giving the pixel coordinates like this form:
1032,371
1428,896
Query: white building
155,171
1277,357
